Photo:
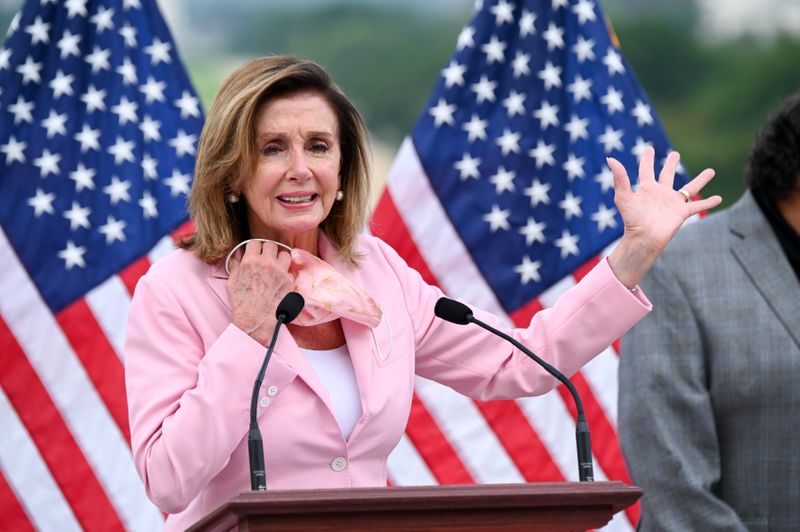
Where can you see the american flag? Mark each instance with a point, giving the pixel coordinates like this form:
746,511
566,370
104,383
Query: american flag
98,131
502,196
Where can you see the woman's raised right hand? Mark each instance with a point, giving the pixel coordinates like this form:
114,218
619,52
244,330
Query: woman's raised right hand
256,284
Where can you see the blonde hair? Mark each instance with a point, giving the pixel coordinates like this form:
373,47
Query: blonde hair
227,154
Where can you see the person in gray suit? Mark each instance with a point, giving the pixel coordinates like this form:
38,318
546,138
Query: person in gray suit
709,402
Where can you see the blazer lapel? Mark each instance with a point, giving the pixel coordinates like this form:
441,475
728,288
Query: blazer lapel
358,337
761,256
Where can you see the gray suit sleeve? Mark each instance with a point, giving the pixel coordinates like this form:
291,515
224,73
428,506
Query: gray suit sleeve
666,422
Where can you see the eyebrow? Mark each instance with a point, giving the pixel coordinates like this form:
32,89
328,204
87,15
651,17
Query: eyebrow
311,134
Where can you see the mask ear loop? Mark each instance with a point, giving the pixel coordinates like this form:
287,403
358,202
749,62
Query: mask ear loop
240,244
391,339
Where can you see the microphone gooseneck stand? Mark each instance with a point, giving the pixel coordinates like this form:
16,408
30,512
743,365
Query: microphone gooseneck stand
460,314
288,309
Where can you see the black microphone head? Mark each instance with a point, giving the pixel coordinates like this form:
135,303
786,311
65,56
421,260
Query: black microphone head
289,307
453,311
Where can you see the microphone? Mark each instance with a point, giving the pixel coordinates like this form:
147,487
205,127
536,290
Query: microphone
288,309
460,314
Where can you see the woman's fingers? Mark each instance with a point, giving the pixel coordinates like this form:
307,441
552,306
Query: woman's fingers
622,183
667,175
647,164
698,183
704,204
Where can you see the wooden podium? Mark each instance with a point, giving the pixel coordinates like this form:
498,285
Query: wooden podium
551,506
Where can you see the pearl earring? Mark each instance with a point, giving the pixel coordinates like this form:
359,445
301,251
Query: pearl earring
339,195
233,197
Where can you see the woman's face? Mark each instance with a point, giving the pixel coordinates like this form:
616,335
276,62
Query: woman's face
296,178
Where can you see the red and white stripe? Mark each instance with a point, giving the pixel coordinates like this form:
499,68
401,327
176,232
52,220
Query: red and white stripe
65,451
471,435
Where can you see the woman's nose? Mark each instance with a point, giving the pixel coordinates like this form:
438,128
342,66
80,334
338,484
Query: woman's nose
298,166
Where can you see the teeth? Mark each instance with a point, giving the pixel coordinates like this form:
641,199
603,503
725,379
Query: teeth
296,199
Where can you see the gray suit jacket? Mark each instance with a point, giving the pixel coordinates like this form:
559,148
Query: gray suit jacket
709,404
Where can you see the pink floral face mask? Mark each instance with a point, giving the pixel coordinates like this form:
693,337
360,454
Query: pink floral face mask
329,295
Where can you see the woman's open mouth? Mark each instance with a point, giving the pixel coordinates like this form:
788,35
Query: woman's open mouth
297,200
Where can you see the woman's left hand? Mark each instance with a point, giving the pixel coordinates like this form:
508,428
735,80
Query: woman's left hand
652,214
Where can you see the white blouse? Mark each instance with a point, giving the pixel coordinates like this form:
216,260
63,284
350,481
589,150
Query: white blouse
335,369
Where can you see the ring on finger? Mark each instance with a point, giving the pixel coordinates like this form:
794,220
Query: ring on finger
687,196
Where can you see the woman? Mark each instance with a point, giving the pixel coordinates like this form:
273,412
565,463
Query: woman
283,157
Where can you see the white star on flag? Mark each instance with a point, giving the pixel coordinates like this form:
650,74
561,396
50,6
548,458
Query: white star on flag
442,113
568,244
68,44
571,205
73,255
468,167
99,59
122,150
149,167
21,110
148,205
605,217
476,128
159,51
183,143
150,129
54,124
527,23
42,202
515,103
117,190
102,19
38,31
612,100
94,99
554,37
533,231
503,12
484,89
14,150
78,216
178,183
113,230
503,180
613,62
31,71
153,90
62,84
188,104
547,115
47,163
83,177
611,139
551,75
583,49
520,64
538,192
88,138
576,128
543,153
509,141
128,72
573,166
528,270
497,219
641,112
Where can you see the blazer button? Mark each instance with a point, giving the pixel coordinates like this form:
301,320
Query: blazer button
272,390
338,464
264,401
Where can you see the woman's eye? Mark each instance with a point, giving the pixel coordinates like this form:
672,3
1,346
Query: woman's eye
270,149
319,148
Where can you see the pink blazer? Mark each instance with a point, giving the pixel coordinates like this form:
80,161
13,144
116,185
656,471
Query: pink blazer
189,374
